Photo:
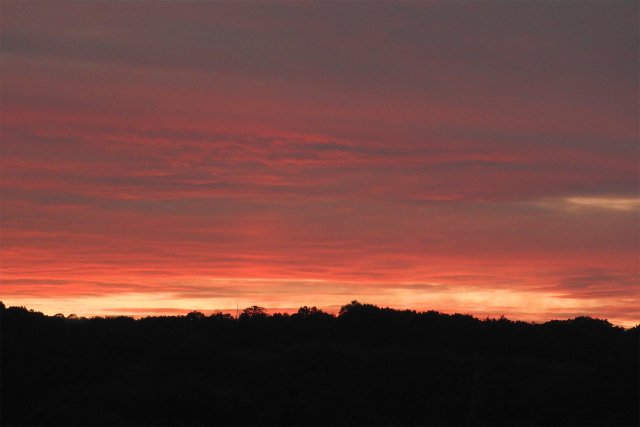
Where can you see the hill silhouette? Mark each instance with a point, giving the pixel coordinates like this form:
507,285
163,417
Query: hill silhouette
366,366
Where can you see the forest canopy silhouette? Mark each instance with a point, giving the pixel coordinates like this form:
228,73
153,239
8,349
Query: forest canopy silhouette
366,366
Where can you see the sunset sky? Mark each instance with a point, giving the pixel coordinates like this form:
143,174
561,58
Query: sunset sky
159,157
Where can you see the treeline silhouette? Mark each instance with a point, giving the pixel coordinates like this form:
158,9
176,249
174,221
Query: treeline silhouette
365,366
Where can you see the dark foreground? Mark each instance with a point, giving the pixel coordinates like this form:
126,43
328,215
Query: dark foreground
367,366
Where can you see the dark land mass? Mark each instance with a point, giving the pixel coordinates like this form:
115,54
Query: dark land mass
366,366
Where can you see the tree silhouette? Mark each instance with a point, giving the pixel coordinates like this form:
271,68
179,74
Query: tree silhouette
195,316
367,366
253,313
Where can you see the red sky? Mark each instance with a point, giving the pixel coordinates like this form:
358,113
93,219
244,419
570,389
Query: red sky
473,157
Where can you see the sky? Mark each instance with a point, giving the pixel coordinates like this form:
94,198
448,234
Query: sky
159,157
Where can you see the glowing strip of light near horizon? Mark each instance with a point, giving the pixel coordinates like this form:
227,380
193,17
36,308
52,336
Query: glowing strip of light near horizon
522,305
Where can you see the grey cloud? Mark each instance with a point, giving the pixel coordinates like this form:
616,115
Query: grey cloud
359,43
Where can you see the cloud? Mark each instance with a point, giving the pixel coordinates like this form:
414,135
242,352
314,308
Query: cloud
622,204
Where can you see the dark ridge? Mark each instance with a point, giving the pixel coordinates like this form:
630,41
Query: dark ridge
366,366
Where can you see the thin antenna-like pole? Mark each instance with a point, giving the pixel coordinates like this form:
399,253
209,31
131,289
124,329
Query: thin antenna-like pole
236,311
